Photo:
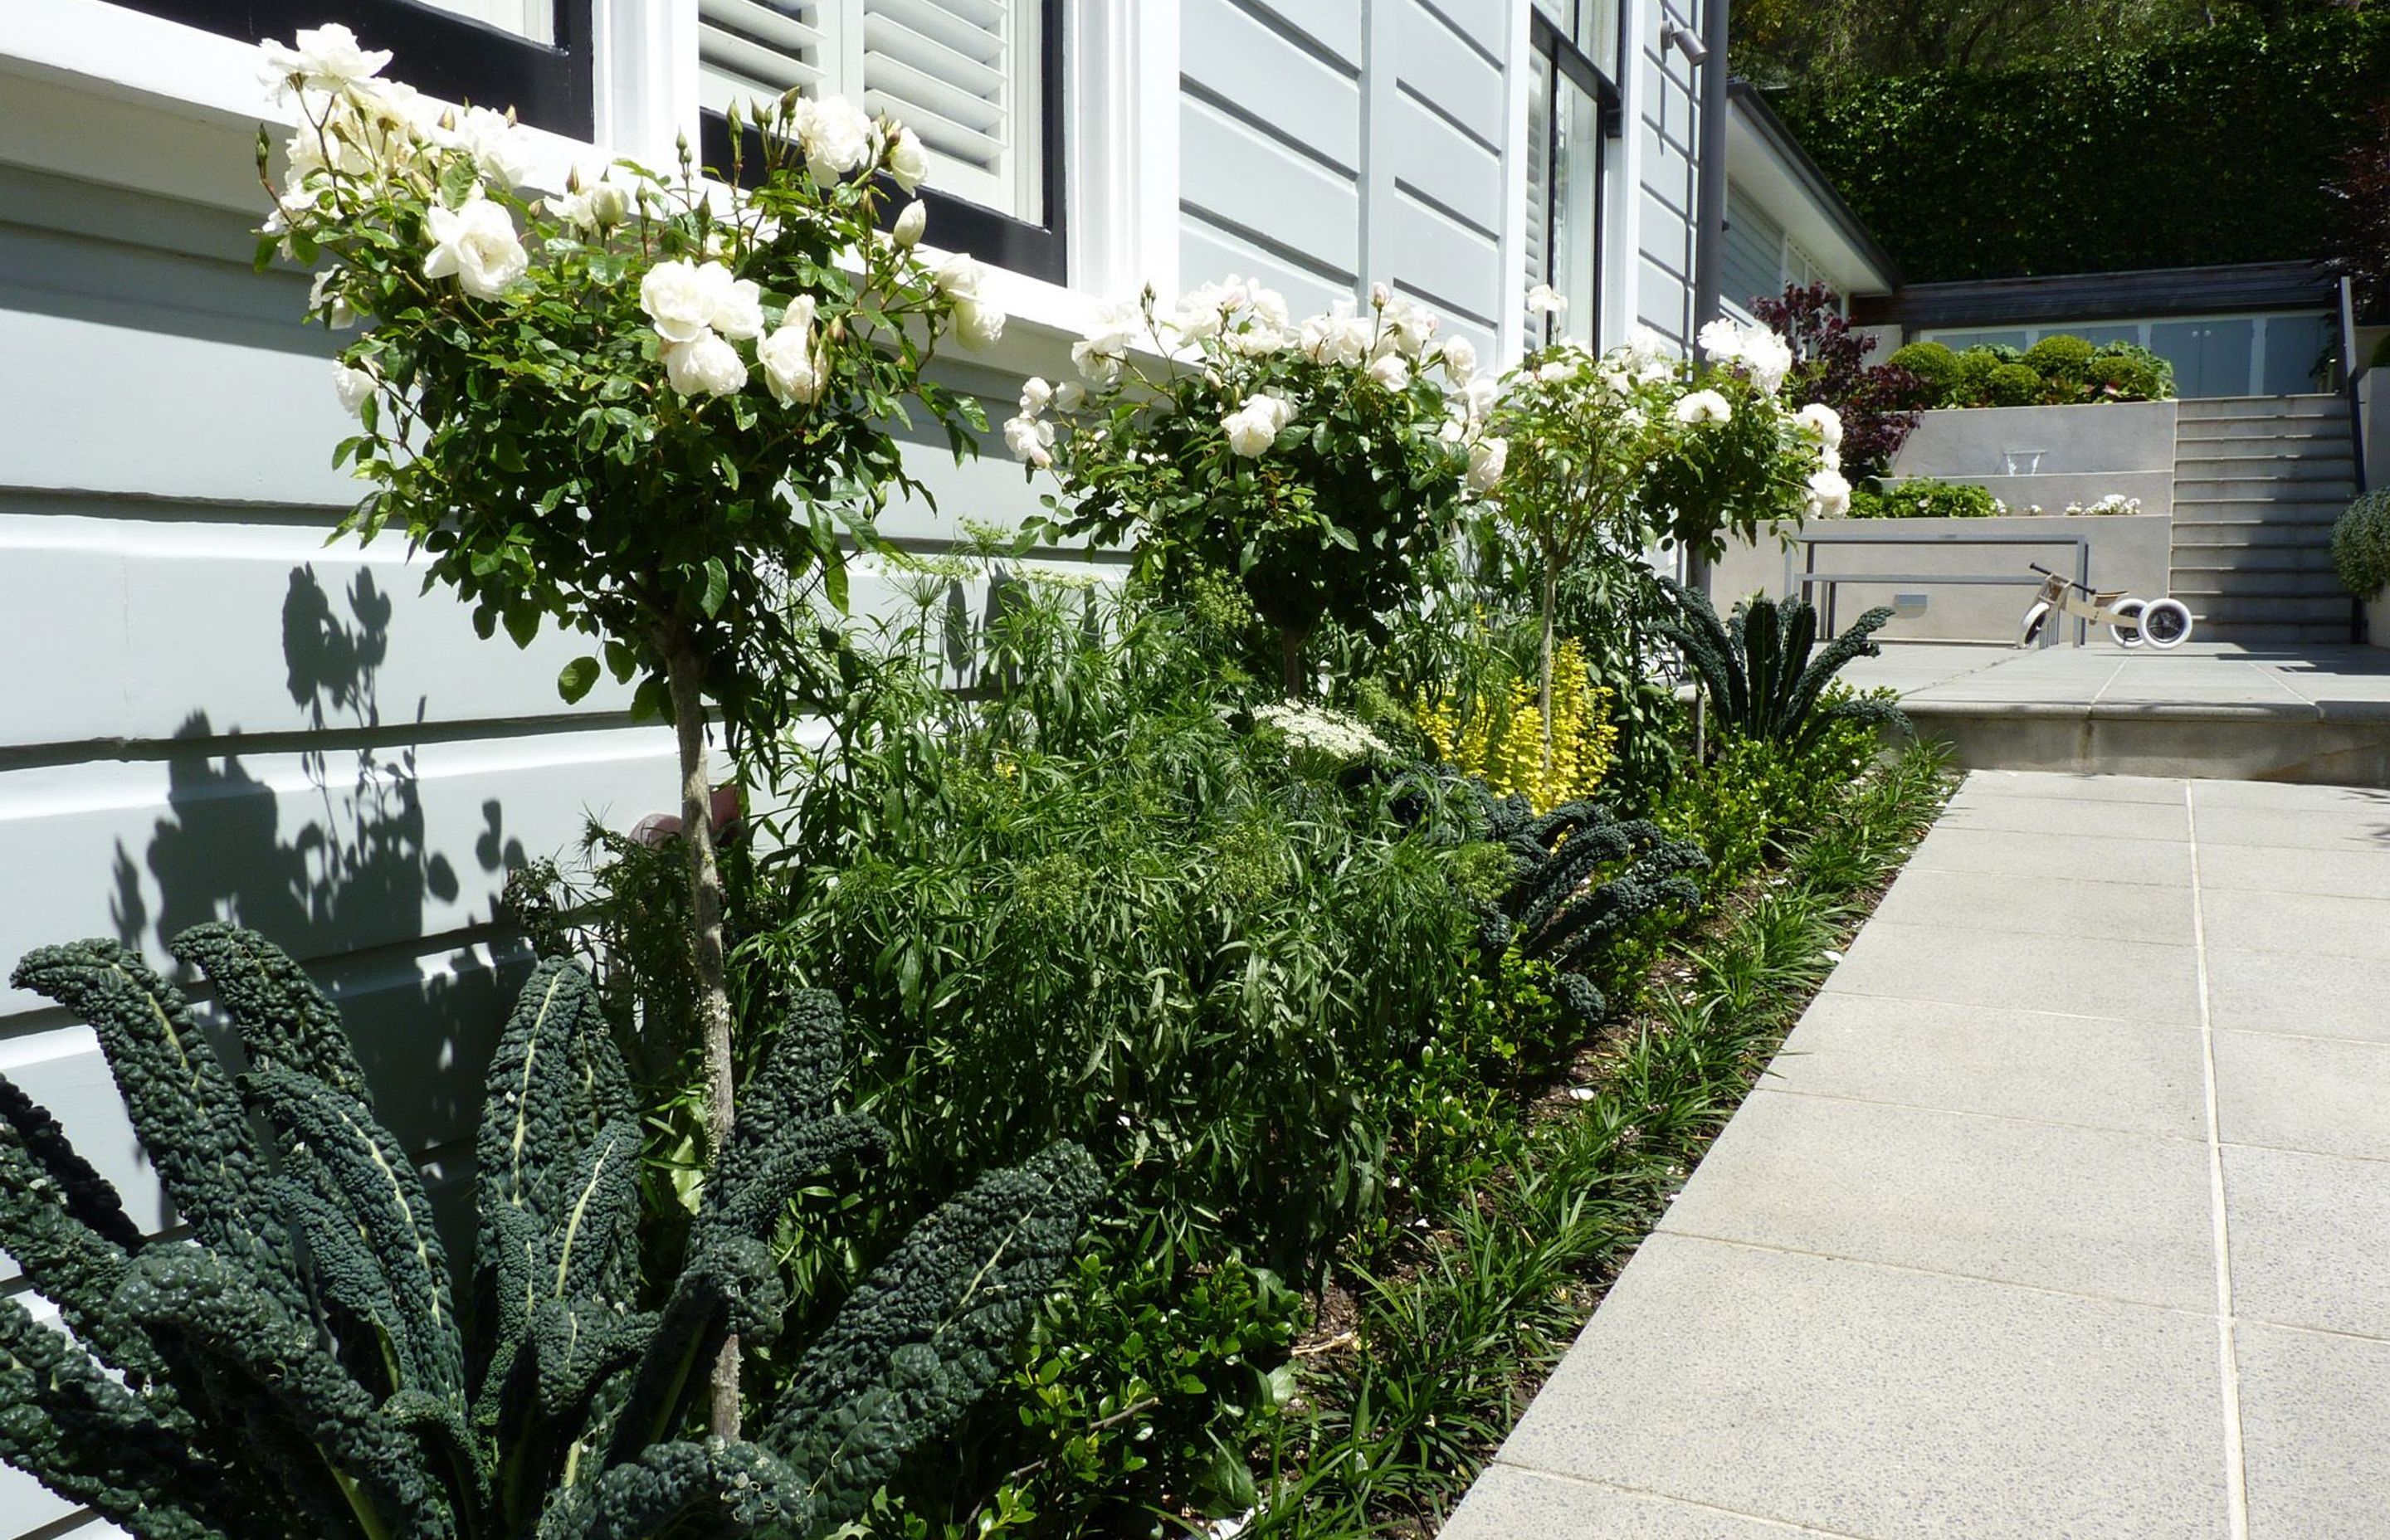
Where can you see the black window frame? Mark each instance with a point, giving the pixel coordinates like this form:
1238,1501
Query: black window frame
1562,59
551,87
1038,250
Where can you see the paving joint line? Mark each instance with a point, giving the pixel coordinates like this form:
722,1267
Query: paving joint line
2236,1471
1848,992
1570,1478
2010,1117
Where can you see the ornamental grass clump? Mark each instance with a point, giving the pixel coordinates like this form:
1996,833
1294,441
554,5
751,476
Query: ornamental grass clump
301,1366
1321,463
648,410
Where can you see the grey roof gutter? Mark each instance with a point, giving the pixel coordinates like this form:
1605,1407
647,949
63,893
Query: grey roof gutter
1813,179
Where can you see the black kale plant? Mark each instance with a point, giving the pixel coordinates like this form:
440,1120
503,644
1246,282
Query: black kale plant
298,1368
1762,673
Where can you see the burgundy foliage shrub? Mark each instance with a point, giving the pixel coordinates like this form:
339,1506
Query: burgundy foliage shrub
1878,402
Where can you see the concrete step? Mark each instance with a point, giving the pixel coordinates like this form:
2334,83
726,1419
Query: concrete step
2335,469
2218,408
2254,511
2267,608
2194,586
2246,532
2272,449
2259,489
2311,560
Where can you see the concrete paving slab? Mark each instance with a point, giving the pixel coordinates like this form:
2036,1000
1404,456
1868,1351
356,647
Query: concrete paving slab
2295,828
2085,1210
2132,1076
2296,993
1511,1504
2313,1408
2308,923
2090,789
2131,980
2355,799
2264,868
1993,849
2068,816
2048,905
2308,1239
1885,1403
2328,1094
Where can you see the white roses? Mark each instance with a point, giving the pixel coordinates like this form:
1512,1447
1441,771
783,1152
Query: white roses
1700,406
699,309
1763,356
1829,495
908,161
794,370
1486,459
320,58
1254,426
906,231
978,324
354,386
1822,422
476,244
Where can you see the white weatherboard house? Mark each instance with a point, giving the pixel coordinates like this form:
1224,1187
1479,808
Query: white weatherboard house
206,712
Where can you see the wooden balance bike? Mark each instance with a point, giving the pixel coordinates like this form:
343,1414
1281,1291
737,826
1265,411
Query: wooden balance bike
2161,622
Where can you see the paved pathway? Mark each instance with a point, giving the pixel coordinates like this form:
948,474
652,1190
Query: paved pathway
2065,1212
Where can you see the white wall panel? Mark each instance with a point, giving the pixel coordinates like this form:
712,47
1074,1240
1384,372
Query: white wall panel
1228,51
1244,178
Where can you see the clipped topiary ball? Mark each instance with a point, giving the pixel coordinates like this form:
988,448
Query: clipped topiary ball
2012,385
1935,366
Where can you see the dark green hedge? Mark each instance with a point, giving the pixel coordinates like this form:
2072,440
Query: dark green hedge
2212,149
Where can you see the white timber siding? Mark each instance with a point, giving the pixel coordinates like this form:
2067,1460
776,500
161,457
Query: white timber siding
1666,106
1327,144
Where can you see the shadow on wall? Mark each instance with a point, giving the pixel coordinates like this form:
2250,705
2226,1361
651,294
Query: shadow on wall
351,882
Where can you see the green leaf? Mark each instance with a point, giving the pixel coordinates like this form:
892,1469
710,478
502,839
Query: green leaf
834,580
578,678
522,624
717,586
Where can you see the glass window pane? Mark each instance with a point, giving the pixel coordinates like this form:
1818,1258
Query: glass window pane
2299,353
534,20
1576,208
2105,332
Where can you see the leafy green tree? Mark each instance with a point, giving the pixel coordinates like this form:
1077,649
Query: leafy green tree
299,1368
646,411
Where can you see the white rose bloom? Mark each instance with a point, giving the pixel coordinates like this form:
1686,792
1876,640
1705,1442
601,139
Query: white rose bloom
324,297
836,138
1544,299
1409,326
737,304
708,366
353,387
910,224
1379,295
1452,432
792,370
1721,342
1480,395
958,276
1069,396
1030,440
499,148
978,324
1556,370
476,244
1830,457
1270,304
1830,495
1099,369
1459,358
1703,406
322,58
908,162
1822,422
1253,427
1486,459
678,302
1391,371
1767,357
1035,396
1253,341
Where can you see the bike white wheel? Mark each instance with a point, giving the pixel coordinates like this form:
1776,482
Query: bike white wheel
2164,623
2034,619
2127,629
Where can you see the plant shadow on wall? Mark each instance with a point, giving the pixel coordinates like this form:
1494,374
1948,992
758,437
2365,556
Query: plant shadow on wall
354,869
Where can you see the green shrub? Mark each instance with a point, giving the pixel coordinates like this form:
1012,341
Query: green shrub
1923,497
2061,359
1973,386
2012,385
2360,544
1931,363
2126,371
297,1368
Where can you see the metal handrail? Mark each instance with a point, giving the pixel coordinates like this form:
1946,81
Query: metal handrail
1808,576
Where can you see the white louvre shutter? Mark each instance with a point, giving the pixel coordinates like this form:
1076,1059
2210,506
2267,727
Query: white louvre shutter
751,50
963,75
1539,188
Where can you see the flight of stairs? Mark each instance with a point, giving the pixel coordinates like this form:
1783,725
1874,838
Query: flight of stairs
2258,482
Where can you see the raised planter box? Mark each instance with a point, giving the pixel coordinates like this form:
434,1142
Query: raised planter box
2085,453
2128,551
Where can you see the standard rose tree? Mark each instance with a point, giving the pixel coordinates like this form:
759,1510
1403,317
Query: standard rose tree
646,410
1322,465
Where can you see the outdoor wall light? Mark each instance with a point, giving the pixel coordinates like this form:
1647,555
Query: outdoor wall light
1684,42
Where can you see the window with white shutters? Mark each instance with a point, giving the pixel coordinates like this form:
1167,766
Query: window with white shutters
1572,113
968,76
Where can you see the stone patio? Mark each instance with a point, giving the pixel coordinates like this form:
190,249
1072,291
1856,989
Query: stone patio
2060,1213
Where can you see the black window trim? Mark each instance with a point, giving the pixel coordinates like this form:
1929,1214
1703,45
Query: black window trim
1038,250
1566,58
551,87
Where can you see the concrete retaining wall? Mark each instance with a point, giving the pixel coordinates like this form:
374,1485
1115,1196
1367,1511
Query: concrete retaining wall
2086,453
2130,552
